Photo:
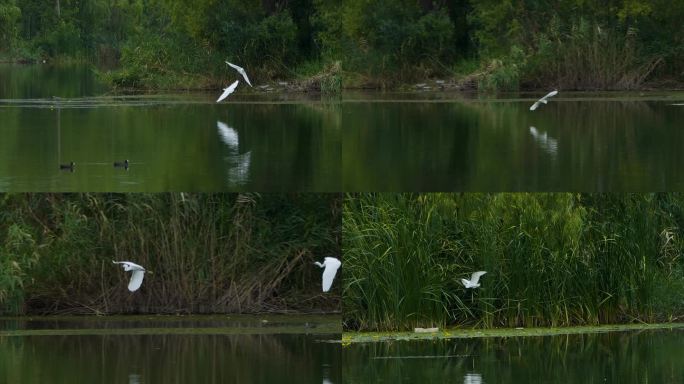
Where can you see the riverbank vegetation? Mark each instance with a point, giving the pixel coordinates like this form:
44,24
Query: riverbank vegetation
469,333
556,259
330,45
208,253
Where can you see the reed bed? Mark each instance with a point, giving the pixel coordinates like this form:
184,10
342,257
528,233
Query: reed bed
586,56
237,253
555,259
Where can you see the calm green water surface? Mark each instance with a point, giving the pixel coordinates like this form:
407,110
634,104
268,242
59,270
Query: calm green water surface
578,142
162,350
653,356
357,142
51,116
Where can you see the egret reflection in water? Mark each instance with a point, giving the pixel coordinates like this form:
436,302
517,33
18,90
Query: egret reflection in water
547,143
228,135
472,378
238,170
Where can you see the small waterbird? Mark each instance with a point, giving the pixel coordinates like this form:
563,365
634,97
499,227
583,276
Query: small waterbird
136,277
228,91
121,164
543,100
310,325
331,266
241,71
474,281
67,167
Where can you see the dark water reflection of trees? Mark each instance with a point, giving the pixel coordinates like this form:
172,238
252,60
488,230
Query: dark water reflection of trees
169,359
618,357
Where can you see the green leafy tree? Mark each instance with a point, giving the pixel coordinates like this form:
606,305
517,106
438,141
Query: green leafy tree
9,17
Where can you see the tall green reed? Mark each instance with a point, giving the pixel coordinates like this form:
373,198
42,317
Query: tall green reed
208,252
552,259
586,55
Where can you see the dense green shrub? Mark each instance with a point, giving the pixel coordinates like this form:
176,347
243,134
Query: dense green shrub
568,44
581,45
9,17
208,252
380,37
17,257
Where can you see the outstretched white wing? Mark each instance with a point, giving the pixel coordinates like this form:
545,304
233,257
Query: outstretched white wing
543,100
241,71
136,280
129,266
331,267
476,277
228,91
228,134
550,94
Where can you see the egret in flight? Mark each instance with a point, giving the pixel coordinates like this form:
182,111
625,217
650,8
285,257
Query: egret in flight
241,71
228,91
331,266
543,100
474,281
136,277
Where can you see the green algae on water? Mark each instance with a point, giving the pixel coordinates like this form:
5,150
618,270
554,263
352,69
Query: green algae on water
458,333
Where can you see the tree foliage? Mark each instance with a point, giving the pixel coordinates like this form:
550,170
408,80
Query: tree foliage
9,16
579,44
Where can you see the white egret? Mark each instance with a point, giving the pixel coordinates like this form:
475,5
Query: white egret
136,277
543,100
241,71
228,134
474,280
228,91
472,378
331,266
